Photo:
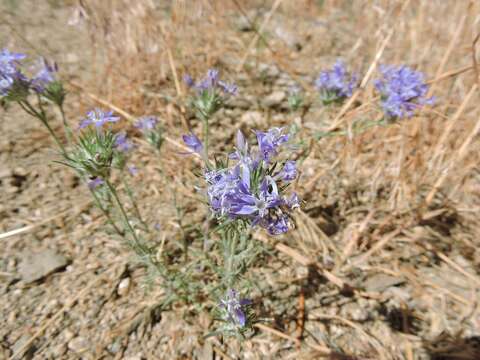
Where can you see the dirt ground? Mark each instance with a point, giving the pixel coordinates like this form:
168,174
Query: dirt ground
391,214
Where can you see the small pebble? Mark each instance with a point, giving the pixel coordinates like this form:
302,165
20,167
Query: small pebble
123,287
78,344
274,99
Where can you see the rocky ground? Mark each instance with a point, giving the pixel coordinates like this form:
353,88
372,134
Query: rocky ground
69,290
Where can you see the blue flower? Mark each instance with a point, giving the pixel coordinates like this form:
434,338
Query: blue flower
98,118
255,205
6,83
193,143
270,141
293,202
44,76
122,143
210,83
277,225
188,80
222,185
235,308
227,88
132,169
9,70
249,189
95,182
403,90
9,62
241,150
146,123
335,84
289,171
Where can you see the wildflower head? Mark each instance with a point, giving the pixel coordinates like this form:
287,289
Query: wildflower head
151,130
335,84
251,190
211,92
193,143
45,75
16,86
228,88
146,123
98,152
98,118
122,143
295,98
402,90
9,61
209,82
133,170
234,310
45,82
289,171
269,142
188,80
94,154
10,74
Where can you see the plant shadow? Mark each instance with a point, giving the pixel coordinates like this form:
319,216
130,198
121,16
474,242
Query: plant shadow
453,347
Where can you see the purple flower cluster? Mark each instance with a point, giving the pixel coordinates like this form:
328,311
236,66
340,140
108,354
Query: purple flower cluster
9,70
10,73
45,75
210,83
235,308
402,90
98,118
270,142
252,189
146,123
336,84
122,143
151,130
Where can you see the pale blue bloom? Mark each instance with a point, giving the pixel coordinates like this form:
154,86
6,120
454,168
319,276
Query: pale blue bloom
403,90
98,118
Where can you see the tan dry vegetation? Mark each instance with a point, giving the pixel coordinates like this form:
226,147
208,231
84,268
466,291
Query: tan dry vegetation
397,203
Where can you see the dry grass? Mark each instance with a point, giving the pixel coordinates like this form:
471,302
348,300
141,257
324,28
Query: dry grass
401,200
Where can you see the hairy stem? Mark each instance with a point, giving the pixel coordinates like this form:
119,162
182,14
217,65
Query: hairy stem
29,109
137,245
66,127
134,204
106,213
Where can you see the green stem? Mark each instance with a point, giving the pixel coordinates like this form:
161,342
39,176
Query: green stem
230,244
180,225
66,127
134,204
138,248
43,118
205,135
124,214
105,212
206,132
356,131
